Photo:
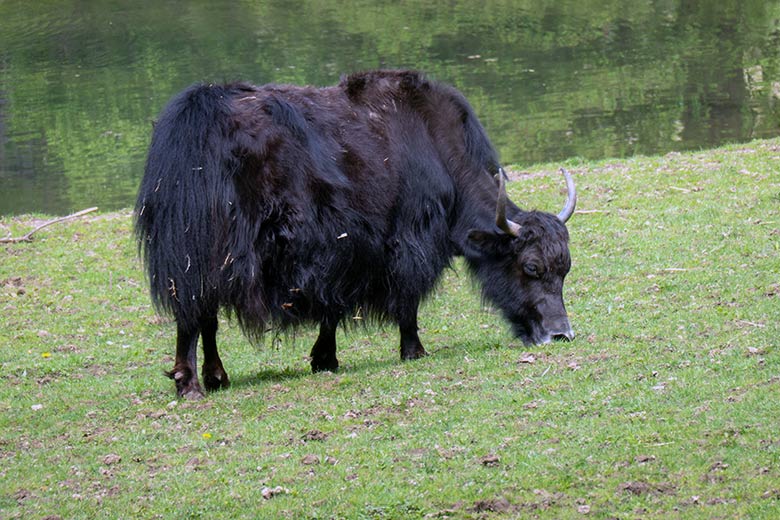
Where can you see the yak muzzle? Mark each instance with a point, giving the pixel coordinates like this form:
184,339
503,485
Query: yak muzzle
563,336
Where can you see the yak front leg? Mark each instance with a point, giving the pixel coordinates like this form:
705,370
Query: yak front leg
323,354
411,347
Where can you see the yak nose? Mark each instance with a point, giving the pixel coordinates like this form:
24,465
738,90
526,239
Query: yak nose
563,336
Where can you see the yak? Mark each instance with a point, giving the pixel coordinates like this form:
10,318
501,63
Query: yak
286,205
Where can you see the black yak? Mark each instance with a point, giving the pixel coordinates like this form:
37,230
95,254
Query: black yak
289,205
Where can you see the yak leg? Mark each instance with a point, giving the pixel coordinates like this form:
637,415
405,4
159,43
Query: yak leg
411,347
185,368
214,375
323,353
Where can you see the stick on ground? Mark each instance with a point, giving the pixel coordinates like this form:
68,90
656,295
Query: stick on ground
29,236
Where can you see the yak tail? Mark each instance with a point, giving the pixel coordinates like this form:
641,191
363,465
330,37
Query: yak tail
184,200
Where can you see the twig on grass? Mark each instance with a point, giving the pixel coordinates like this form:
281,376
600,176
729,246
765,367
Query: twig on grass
589,211
29,236
751,324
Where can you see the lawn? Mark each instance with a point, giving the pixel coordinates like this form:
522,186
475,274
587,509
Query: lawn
665,405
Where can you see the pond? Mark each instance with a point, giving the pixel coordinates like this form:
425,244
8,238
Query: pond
81,82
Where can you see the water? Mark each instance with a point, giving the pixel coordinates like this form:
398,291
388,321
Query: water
80,82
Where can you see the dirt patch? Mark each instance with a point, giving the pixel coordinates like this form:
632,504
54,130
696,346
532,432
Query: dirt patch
21,285
310,460
546,500
14,282
490,460
22,495
716,473
494,505
640,488
314,435
268,493
112,459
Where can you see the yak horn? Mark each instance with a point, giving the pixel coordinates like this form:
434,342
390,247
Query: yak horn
504,224
571,198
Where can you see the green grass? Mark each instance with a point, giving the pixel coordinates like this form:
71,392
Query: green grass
666,404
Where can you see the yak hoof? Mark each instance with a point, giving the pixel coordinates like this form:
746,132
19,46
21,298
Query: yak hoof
216,380
195,394
325,365
416,353
187,385
191,392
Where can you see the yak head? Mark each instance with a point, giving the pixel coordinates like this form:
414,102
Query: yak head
522,265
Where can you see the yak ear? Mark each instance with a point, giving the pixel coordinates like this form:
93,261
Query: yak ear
491,243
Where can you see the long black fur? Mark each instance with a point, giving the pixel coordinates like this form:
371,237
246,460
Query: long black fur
286,204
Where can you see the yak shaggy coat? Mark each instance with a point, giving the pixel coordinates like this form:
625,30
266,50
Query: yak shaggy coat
288,205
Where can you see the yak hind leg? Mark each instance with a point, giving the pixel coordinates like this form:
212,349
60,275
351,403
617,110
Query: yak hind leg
411,346
185,368
323,353
214,375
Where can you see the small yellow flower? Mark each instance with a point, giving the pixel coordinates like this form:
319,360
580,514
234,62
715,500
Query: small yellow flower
206,436
46,355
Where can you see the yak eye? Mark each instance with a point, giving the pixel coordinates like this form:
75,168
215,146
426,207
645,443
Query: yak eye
532,270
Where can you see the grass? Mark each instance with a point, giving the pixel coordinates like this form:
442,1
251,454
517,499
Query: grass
665,405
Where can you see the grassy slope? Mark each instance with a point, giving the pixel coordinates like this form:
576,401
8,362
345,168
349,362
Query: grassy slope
666,403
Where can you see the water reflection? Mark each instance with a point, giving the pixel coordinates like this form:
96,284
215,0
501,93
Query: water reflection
81,82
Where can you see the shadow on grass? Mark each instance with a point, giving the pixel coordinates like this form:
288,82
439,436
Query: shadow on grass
289,373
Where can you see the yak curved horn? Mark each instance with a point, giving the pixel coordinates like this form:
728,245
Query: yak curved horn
571,198
503,223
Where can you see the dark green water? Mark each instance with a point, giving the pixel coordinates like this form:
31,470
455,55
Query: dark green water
81,81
